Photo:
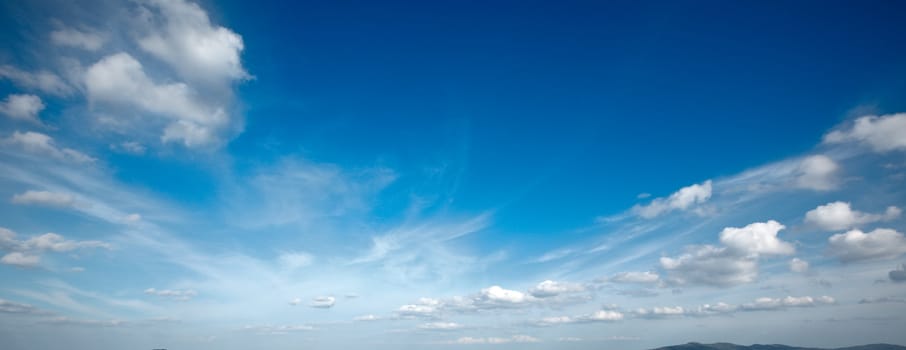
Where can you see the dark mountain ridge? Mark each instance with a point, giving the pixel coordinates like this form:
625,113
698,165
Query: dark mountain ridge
729,346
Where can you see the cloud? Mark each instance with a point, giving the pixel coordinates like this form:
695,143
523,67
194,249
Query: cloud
798,265
366,318
757,238
710,265
295,260
120,79
680,200
839,216
181,34
322,302
658,312
597,316
817,173
277,330
646,277
22,107
440,326
551,289
881,133
898,275
497,296
76,38
882,300
789,301
295,301
21,259
43,81
41,144
10,307
46,198
856,245
173,294
129,147
496,340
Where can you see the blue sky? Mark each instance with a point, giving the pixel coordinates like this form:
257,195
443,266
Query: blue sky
570,175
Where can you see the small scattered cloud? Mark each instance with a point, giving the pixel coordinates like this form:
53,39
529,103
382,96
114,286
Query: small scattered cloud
798,265
840,216
646,277
758,238
367,318
45,198
683,199
496,340
550,288
85,40
855,245
277,330
27,253
882,300
322,302
172,294
42,145
880,133
440,326
43,81
22,107
817,173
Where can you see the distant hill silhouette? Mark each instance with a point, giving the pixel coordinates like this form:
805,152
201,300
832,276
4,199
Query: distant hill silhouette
728,346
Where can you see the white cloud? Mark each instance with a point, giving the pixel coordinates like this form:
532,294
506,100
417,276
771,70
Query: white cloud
817,173
664,311
22,107
130,147
757,238
76,38
495,295
856,245
295,301
277,330
121,80
680,200
597,316
497,340
789,301
10,307
646,277
181,34
881,133
552,288
710,265
173,294
21,259
840,216
322,302
798,265
54,199
41,144
366,318
43,81
440,326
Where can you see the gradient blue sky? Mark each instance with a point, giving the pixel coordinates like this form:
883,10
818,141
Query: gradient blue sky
412,175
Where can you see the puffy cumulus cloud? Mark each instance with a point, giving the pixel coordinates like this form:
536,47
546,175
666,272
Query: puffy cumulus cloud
498,296
683,199
440,326
798,265
840,216
181,34
710,265
172,294
757,238
85,40
646,277
789,301
880,133
46,198
22,107
898,275
856,245
817,173
43,81
120,79
550,288
496,340
322,302
42,145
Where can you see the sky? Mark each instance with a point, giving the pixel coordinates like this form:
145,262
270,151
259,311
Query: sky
451,174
